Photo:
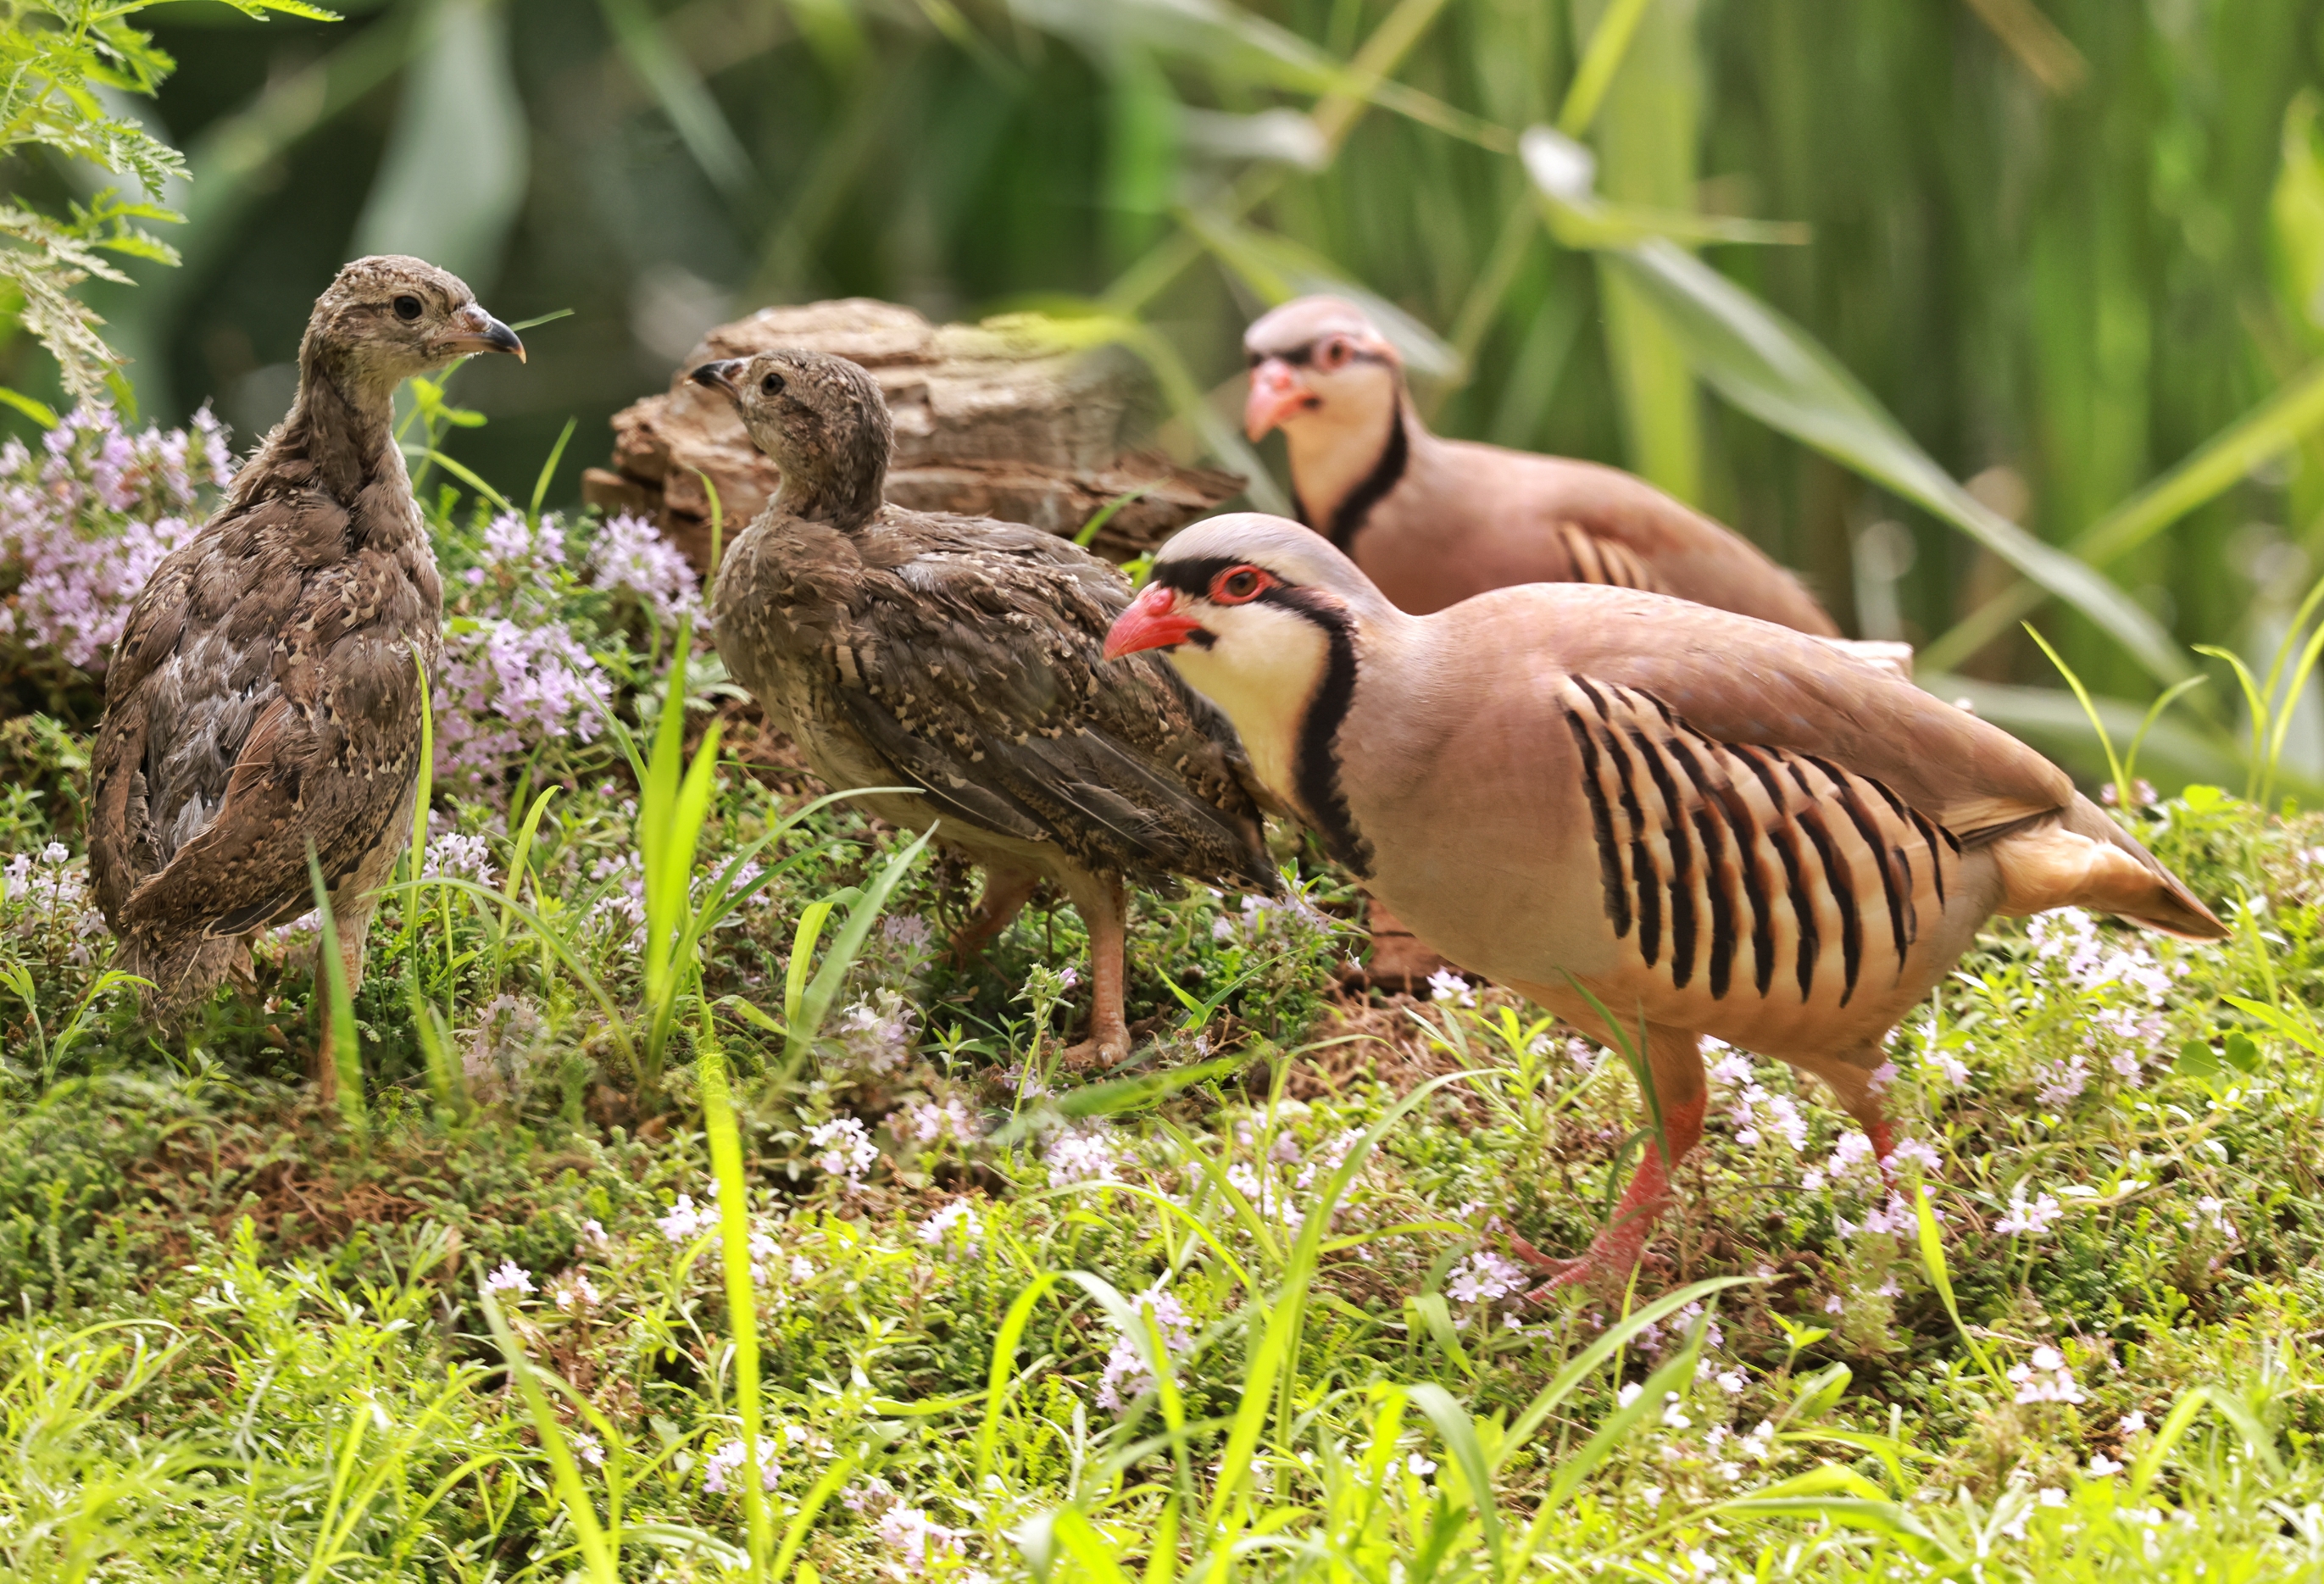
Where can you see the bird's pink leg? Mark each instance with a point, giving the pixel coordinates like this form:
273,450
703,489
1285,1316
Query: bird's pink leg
1107,914
1006,892
1675,1064
1883,1134
354,931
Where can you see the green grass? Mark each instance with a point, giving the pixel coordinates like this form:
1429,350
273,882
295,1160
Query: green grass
1219,1318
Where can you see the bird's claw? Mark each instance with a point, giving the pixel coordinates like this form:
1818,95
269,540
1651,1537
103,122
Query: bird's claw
1608,1262
1096,1054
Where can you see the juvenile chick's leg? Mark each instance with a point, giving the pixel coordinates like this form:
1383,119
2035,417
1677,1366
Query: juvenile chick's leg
1104,905
1006,892
354,926
1674,1065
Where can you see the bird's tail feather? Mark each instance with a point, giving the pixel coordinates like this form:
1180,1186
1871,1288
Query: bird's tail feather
2084,860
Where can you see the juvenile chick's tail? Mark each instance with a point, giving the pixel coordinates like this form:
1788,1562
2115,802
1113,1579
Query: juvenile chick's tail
2082,859
180,975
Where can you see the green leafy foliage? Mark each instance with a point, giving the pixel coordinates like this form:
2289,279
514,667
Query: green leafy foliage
58,59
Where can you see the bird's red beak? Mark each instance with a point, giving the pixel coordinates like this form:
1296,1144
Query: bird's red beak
1277,392
1152,622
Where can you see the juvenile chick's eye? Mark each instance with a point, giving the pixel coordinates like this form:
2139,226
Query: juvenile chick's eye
1240,585
772,384
407,309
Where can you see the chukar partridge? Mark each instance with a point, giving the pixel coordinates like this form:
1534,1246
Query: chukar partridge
1700,823
263,702
964,657
1433,521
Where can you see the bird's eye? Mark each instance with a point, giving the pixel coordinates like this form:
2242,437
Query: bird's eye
1335,353
407,307
1240,585
772,384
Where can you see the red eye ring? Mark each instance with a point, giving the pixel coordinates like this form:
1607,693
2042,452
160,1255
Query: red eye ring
1238,585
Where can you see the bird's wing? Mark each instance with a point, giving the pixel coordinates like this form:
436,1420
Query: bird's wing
1734,862
975,665
275,711
1747,684
1738,680
1613,528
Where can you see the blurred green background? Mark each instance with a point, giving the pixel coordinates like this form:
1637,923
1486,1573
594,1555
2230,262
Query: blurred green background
2065,242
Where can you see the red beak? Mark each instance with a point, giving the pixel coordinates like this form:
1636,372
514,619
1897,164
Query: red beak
1276,393
1152,622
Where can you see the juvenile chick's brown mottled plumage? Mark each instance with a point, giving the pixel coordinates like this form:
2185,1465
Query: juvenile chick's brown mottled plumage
964,656
264,700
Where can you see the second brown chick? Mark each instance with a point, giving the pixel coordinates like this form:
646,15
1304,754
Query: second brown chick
966,657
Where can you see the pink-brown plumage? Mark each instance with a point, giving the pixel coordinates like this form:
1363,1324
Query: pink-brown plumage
1433,521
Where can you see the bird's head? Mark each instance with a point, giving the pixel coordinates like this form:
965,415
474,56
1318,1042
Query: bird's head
821,420
1259,615
1318,362
388,318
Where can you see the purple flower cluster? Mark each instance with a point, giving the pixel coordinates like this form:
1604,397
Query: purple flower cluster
517,672
630,554
507,688
86,518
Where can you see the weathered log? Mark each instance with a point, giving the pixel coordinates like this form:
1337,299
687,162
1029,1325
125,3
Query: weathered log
992,420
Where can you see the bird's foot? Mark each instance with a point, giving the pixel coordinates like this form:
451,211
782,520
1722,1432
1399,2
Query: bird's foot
1606,1264
1098,1053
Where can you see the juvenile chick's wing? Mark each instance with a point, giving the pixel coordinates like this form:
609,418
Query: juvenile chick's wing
973,661
261,699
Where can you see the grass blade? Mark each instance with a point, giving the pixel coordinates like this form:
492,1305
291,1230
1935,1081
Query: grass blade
595,1551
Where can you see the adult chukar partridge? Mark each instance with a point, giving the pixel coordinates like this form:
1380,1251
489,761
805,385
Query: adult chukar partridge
1433,521
263,702
1700,823
964,656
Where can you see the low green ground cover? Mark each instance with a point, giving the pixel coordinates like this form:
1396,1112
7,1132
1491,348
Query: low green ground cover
695,1216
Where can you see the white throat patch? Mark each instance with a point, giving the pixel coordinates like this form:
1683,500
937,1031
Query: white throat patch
1263,671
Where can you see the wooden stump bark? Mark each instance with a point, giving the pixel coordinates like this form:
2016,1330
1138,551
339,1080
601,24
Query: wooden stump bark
993,420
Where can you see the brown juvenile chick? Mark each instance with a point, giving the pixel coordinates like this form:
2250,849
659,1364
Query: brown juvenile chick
964,656
263,702
1434,521
1631,808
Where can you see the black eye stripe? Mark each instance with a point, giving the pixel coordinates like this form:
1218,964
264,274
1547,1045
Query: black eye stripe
1300,357
1197,575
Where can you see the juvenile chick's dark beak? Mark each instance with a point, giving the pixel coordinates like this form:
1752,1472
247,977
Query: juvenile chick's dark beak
719,376
475,330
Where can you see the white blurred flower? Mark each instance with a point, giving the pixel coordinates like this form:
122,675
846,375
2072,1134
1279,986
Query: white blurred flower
2046,1379
726,1462
1447,985
686,1221
1085,1154
916,1539
1126,1374
573,1291
1482,1277
959,1214
509,1278
847,1150
2032,1217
